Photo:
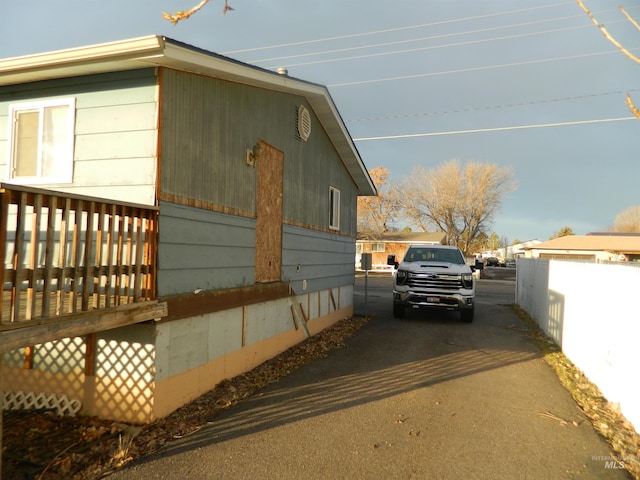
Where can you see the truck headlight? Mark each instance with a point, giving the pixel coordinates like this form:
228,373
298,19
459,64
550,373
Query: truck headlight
401,277
467,280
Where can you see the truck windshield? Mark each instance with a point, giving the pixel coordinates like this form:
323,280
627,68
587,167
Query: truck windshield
434,255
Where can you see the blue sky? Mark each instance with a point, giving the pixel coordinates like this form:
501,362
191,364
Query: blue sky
421,82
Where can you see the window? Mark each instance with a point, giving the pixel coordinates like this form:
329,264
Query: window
41,148
334,208
377,247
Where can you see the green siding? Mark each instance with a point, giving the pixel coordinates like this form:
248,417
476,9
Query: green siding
115,132
201,249
207,125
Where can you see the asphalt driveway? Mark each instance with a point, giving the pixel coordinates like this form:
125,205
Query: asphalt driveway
425,397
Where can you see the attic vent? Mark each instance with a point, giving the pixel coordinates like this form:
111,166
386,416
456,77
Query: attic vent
304,123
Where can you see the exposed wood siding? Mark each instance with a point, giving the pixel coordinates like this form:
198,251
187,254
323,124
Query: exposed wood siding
200,249
207,126
115,132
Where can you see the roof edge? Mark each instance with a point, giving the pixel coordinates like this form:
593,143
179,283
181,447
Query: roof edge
152,44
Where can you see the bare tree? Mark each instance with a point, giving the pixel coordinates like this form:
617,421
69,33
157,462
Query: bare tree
459,200
375,214
183,15
620,47
628,221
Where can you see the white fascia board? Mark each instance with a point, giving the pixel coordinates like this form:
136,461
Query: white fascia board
80,61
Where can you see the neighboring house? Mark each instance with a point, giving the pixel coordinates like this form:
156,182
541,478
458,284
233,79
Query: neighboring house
393,243
515,250
597,248
255,178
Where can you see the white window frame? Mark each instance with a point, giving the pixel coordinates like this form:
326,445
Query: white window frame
334,208
377,247
63,169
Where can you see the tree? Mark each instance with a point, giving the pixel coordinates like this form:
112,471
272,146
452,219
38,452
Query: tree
628,221
620,47
460,201
481,243
563,232
494,241
375,214
183,15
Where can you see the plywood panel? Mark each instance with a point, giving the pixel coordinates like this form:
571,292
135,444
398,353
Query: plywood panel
269,214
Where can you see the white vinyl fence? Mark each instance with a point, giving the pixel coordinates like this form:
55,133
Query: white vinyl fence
592,311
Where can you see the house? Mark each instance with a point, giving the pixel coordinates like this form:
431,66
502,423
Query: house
393,243
595,248
252,177
515,250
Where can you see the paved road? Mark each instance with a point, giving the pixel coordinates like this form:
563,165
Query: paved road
426,397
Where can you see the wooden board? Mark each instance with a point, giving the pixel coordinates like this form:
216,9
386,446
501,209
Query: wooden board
269,214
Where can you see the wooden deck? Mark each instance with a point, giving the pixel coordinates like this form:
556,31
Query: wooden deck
67,254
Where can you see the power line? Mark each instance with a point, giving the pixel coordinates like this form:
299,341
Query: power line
413,40
434,37
472,69
488,107
496,129
397,29
435,47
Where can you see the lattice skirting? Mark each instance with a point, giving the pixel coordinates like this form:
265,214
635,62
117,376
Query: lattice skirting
62,404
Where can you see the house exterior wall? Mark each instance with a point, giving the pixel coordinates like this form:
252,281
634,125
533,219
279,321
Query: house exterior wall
207,234
193,355
587,255
207,126
115,132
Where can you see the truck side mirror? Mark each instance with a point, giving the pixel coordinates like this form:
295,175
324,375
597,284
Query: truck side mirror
391,260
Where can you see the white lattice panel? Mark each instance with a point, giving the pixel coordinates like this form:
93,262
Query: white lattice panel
36,401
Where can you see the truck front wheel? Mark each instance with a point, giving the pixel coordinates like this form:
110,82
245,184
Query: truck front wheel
466,315
398,310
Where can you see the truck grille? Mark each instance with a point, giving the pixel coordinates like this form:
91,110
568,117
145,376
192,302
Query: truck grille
434,281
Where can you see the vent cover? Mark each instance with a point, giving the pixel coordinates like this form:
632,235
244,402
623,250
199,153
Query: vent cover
304,123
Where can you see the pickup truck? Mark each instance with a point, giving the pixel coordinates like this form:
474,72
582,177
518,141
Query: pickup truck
433,276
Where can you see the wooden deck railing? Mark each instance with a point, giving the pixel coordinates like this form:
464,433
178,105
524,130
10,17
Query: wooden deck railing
62,253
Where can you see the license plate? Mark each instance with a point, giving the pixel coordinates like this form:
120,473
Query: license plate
433,299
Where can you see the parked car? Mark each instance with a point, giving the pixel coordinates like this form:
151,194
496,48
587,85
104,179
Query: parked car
493,262
510,263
